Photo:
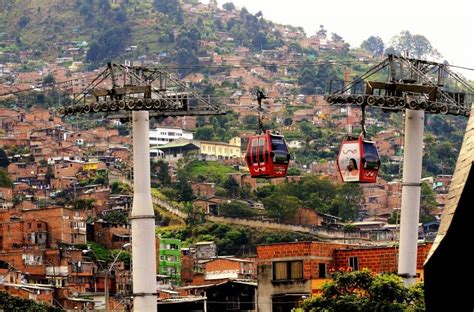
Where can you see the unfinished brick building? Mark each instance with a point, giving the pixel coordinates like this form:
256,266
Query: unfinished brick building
290,272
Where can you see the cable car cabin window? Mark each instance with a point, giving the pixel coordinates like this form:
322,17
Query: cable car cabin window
370,159
280,153
278,144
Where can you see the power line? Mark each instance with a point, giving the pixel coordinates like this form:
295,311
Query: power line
48,85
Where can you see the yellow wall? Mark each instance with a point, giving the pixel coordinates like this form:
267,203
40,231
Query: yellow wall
222,149
90,166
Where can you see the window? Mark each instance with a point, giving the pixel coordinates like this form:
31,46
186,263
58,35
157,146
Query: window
354,263
287,270
278,144
322,270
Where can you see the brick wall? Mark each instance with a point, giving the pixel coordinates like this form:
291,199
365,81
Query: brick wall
104,233
40,296
67,169
306,216
222,265
377,259
311,253
204,189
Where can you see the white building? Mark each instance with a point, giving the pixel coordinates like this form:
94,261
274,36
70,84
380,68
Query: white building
162,136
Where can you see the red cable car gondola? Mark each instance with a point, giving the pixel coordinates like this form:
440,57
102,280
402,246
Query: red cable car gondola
267,156
358,161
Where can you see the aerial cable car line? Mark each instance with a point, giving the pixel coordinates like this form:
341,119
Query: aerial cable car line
408,89
280,64
416,92
47,86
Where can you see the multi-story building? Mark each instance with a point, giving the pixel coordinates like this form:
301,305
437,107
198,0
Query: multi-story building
170,259
162,136
220,150
290,272
48,227
205,150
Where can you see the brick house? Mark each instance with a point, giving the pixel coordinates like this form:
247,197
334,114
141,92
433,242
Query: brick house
290,272
203,189
67,168
210,204
311,217
230,268
64,224
112,236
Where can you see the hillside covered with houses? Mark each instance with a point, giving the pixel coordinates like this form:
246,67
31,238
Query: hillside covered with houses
66,183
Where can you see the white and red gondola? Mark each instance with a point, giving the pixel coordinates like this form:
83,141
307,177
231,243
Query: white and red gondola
358,160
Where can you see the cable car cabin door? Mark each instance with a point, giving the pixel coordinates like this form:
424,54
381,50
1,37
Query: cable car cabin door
258,160
349,160
279,156
370,162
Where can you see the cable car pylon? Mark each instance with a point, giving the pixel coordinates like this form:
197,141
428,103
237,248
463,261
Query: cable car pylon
147,92
410,89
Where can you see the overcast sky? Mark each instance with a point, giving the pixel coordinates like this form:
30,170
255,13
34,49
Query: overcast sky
448,25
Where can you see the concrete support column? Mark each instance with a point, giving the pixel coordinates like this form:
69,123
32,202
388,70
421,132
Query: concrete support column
142,219
411,190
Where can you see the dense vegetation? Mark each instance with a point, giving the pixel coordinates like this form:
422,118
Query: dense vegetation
230,239
11,303
320,194
364,291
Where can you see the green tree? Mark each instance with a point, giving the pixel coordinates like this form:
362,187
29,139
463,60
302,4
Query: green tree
170,8
229,6
232,187
282,207
4,179
49,80
160,170
373,44
250,122
194,215
414,45
236,209
185,191
120,188
427,203
347,202
109,44
294,171
13,303
116,217
205,133
362,291
4,161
